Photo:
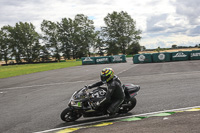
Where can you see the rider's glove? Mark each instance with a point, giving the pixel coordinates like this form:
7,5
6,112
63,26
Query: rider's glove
89,87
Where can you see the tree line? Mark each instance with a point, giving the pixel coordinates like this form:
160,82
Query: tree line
69,38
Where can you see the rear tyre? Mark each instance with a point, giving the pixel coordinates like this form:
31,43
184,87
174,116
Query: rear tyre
130,105
69,115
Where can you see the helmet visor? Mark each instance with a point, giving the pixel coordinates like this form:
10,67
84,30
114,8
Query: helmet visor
104,78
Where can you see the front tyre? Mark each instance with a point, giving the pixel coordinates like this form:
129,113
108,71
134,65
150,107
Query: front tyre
69,115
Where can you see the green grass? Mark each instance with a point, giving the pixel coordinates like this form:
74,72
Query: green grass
16,70
128,56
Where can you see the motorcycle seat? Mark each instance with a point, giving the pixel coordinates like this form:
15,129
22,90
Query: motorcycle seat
131,88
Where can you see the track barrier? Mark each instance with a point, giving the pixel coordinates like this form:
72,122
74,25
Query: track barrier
166,57
103,59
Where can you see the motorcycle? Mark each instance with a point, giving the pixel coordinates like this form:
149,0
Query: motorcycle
82,103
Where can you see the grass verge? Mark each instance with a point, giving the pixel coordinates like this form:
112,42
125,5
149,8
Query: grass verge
16,70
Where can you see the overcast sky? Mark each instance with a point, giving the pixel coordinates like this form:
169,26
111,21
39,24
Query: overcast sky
163,22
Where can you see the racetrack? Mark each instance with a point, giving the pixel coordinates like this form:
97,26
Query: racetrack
33,102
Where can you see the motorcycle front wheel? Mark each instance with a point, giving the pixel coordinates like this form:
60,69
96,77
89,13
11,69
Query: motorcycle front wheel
69,115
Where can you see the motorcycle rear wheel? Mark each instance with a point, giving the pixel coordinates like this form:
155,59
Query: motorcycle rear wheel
68,115
132,103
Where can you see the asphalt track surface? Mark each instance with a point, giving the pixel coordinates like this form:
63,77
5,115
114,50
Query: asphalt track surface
33,102
171,122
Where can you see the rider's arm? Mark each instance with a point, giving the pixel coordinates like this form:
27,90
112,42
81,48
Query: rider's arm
96,85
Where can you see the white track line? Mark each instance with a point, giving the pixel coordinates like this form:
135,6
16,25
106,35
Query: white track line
145,114
14,88
126,69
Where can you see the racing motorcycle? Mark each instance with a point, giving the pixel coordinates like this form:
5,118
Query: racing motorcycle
82,102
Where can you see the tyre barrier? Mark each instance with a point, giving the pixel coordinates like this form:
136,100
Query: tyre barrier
103,59
166,57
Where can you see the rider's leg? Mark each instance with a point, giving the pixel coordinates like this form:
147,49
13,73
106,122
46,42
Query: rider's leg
115,106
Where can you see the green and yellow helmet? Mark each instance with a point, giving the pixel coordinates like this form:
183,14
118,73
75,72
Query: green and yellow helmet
107,74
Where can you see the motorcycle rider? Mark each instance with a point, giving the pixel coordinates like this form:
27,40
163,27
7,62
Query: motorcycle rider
115,93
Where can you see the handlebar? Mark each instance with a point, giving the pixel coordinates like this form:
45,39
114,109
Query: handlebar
85,88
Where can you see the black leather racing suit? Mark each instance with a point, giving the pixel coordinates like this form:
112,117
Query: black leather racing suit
115,94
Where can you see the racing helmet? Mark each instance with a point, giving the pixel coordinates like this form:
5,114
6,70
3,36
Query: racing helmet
107,75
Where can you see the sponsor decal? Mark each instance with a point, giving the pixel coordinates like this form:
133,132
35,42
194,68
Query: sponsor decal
117,58
88,59
141,57
195,54
161,56
180,54
102,59
102,92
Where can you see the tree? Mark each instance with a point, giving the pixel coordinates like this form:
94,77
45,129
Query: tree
87,34
16,46
158,49
143,48
5,43
174,46
76,36
69,35
99,43
51,39
120,32
44,54
25,42
134,48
